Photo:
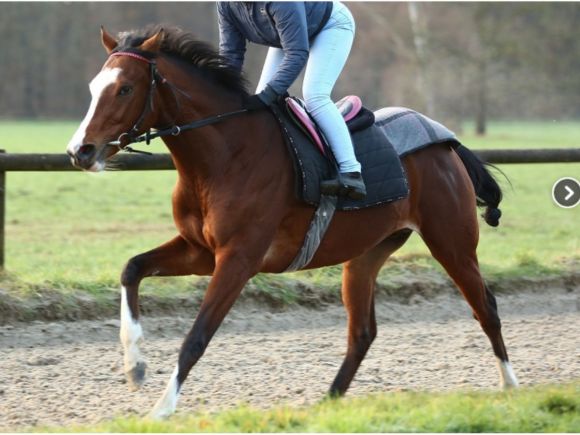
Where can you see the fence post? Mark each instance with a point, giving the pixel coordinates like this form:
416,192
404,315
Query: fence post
2,213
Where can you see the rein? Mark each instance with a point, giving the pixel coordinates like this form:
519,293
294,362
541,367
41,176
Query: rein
132,136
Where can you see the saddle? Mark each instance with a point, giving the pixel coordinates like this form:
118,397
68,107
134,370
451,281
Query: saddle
350,107
314,162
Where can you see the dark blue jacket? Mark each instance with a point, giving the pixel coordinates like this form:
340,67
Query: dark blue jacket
287,25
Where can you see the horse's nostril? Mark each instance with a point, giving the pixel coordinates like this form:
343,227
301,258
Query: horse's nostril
86,150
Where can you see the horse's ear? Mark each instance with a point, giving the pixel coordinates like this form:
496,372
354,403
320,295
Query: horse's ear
108,41
154,43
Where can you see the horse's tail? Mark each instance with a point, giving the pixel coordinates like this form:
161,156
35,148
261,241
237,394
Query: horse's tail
487,191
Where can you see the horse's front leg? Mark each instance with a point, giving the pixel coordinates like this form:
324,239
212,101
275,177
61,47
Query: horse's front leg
176,257
233,269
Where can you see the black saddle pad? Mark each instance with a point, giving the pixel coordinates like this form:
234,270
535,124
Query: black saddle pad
381,167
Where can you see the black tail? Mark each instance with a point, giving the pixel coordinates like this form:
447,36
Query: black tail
488,192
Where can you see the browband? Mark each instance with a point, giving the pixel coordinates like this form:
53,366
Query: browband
133,55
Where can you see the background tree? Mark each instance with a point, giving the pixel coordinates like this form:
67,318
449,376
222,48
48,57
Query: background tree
453,61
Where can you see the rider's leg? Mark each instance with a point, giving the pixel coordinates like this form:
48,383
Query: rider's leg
328,54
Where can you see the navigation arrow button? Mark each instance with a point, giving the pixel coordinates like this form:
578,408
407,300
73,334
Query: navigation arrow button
566,192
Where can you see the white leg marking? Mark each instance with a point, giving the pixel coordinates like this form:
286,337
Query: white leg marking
105,78
508,378
131,334
166,405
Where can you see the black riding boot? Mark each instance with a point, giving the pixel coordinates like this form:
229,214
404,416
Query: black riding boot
353,185
349,184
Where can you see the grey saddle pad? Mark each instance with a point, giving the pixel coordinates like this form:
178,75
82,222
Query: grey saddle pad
409,131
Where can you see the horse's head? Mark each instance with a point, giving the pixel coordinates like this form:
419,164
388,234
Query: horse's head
122,94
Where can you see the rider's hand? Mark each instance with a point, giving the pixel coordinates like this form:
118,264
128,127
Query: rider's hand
253,102
262,100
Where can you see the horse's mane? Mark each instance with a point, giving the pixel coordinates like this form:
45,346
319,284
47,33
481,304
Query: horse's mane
185,46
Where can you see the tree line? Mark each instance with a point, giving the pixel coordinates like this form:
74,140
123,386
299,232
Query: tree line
452,61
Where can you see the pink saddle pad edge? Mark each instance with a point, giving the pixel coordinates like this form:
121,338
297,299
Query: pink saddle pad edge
354,101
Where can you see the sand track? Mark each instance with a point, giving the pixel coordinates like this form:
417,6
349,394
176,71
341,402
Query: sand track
61,373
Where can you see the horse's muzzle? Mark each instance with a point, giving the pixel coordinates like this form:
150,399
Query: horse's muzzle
84,157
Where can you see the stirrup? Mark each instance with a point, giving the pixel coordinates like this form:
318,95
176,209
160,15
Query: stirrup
330,187
353,185
342,187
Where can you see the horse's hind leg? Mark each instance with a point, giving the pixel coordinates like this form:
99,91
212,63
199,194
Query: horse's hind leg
176,257
358,283
454,245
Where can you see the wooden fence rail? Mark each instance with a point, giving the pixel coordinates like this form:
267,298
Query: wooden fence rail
61,162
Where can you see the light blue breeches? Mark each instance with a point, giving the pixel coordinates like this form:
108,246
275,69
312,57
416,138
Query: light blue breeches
328,54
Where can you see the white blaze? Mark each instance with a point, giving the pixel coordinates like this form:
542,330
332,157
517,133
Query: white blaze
106,77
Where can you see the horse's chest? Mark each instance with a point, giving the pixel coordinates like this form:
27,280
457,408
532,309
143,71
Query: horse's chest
191,228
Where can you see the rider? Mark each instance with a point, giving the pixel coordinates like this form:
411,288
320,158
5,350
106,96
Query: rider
317,35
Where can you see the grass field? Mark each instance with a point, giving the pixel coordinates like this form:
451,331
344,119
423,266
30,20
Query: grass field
539,409
74,231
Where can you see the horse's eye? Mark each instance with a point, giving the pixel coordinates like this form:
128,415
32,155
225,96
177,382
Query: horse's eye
125,90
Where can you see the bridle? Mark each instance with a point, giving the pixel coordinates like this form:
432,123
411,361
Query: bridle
132,135
155,78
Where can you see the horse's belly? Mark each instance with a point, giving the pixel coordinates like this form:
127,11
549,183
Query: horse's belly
278,256
349,235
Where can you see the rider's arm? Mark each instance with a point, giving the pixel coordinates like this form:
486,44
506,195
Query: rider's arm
232,42
290,21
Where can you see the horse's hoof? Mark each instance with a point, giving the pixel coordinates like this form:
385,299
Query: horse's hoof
136,376
160,414
509,386
331,396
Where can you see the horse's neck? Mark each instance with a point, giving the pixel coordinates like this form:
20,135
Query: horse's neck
193,98
230,146
190,96
228,151
198,154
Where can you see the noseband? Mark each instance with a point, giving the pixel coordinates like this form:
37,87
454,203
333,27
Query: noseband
132,136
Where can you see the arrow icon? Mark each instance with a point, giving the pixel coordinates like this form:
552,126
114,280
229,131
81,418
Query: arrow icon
570,193
566,192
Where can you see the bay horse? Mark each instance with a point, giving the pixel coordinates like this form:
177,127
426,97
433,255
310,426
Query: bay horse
235,207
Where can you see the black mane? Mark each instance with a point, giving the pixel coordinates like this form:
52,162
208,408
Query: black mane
185,46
